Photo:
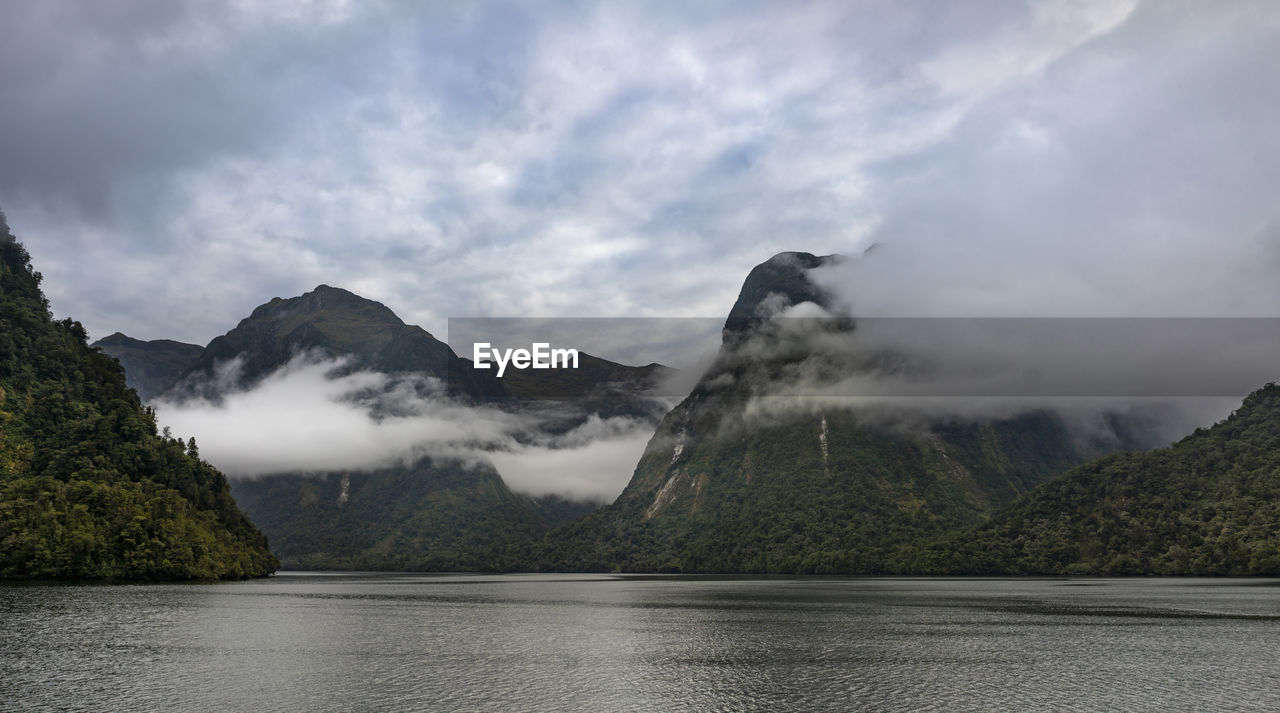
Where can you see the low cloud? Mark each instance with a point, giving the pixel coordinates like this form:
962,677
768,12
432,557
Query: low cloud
311,416
1156,378
317,415
593,462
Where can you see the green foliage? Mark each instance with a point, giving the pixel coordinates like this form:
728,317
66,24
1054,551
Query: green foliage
429,516
81,529
817,493
87,488
1208,505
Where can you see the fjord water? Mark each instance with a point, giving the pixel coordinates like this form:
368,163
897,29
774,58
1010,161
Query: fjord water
387,642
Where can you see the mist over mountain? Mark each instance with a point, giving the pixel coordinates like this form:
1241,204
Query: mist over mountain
329,381
815,441
349,430
749,475
330,322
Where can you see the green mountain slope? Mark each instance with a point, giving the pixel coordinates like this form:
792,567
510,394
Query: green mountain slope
87,488
151,368
429,516
737,481
1207,505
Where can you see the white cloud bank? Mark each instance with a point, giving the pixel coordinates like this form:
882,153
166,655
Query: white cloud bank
317,415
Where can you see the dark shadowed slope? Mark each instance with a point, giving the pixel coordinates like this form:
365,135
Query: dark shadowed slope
332,322
431,516
153,367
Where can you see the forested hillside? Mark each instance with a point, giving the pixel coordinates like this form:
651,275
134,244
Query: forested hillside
1208,504
88,489
432,515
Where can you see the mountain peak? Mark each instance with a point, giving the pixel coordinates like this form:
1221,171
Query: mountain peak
785,276
327,303
323,289
795,257
115,338
336,323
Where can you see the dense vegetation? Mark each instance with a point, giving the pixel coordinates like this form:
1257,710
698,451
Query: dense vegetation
431,515
1208,505
87,487
816,493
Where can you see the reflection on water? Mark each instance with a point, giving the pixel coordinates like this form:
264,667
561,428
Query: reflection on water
341,642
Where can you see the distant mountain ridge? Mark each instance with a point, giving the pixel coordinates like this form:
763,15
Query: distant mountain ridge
150,367
335,322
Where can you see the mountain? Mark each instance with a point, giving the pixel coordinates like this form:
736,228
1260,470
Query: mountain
150,368
434,513
336,323
1207,505
780,281
87,488
737,479
593,377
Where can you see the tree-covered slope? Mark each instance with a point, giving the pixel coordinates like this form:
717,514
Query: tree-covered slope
87,487
151,368
1209,504
739,479
429,516
812,493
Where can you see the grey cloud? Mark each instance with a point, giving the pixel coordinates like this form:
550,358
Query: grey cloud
171,166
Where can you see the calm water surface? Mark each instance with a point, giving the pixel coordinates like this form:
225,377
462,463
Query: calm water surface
379,642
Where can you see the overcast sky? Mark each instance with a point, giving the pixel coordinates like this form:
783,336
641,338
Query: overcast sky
170,165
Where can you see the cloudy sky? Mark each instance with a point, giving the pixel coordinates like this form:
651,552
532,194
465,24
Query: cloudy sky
170,165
